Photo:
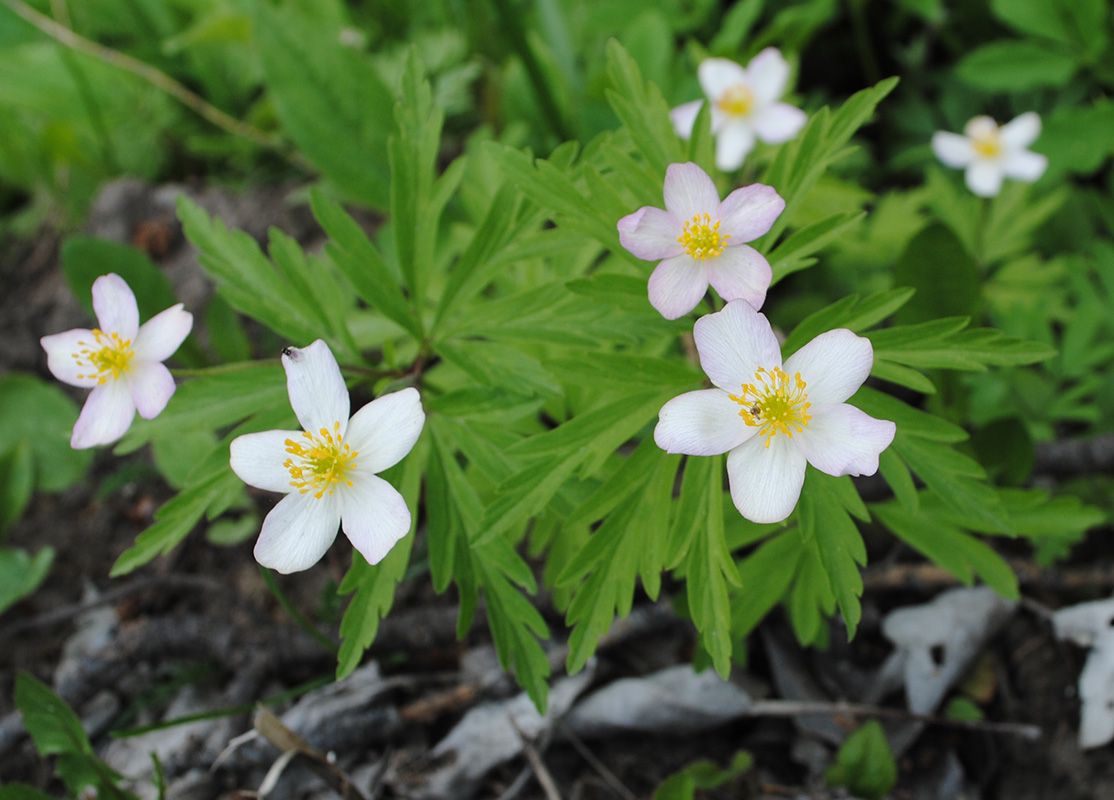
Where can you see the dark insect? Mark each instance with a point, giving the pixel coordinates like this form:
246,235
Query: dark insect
288,351
755,411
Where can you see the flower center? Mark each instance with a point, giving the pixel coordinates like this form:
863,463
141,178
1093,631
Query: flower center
702,239
737,100
988,145
775,404
320,462
108,354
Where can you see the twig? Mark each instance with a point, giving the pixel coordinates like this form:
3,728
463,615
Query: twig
1075,456
609,776
291,744
930,576
541,772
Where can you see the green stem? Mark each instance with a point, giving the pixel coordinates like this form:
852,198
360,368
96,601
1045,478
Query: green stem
295,614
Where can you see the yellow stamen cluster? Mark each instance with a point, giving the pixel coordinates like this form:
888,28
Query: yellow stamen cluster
107,355
321,462
988,145
737,100
775,404
702,239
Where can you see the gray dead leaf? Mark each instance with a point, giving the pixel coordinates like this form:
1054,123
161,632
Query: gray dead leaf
1089,625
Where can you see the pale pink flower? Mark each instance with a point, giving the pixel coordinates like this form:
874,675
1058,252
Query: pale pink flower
770,417
121,361
701,241
328,471
990,153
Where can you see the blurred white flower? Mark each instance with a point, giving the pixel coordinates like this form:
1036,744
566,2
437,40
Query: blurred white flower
990,153
745,106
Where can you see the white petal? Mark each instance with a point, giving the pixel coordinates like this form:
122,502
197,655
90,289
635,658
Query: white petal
676,286
842,440
684,118
651,234
151,386
317,391
749,212
767,75
1024,165
701,423
61,350
717,75
733,143
384,430
257,459
297,532
734,343
105,417
984,178
689,191
740,273
952,149
766,481
114,303
833,365
778,123
160,336
983,127
374,516
1021,132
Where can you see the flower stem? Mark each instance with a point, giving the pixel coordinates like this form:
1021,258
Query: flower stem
295,614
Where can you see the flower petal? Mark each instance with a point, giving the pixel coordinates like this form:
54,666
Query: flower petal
151,386
701,423
385,430
843,440
717,75
1024,165
651,233
297,532
749,212
105,417
733,143
834,365
984,178
1020,132
767,75
689,191
766,481
778,122
734,343
160,336
257,458
317,391
676,286
61,349
952,149
684,118
373,516
740,273
114,303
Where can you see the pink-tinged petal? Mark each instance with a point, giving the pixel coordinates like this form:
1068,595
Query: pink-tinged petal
1020,132
766,481
701,423
61,357
677,285
689,191
317,391
160,336
717,75
749,212
952,149
297,532
385,430
833,365
984,178
778,123
373,516
842,440
733,143
740,273
151,386
257,458
105,417
768,75
684,116
114,303
734,343
1024,165
651,234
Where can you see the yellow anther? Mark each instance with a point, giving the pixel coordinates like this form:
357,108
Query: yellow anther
702,239
109,354
737,100
775,404
988,145
322,463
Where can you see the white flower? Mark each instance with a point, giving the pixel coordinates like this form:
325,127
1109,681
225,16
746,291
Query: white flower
990,153
328,470
120,361
744,106
701,240
771,418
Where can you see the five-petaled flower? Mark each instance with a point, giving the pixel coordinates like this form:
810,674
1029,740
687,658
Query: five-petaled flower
328,470
990,153
773,417
121,361
701,240
745,106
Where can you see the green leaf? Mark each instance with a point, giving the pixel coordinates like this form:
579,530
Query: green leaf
900,480
17,482
764,576
43,415
945,277
1016,65
497,365
1081,24
850,312
227,336
642,109
793,253
86,258
701,775
810,599
865,764
21,573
